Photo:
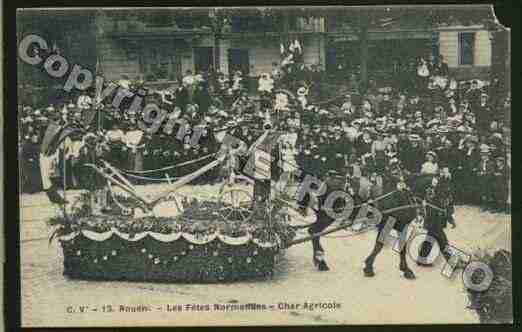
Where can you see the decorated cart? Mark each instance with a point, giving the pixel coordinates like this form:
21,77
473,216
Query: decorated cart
195,247
170,237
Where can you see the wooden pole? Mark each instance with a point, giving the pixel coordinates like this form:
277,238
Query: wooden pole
343,226
184,180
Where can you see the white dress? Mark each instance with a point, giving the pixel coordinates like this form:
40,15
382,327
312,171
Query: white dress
266,85
430,168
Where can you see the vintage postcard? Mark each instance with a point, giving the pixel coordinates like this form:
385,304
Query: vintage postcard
240,166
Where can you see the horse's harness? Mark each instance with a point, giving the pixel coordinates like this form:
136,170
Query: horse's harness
429,195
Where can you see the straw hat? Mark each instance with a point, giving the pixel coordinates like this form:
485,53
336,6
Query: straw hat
432,153
485,149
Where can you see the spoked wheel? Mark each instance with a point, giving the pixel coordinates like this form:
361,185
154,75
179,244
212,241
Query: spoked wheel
236,204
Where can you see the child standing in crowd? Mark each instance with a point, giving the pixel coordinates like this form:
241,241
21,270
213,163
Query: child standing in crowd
430,166
378,151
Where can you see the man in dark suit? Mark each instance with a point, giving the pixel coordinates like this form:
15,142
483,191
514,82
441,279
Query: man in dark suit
182,97
469,163
202,98
484,113
473,93
499,182
31,165
412,155
484,177
441,67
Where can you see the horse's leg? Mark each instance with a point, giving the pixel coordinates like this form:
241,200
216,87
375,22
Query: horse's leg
318,252
319,259
368,262
408,274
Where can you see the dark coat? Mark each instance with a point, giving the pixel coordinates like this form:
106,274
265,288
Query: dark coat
202,99
484,116
182,98
412,158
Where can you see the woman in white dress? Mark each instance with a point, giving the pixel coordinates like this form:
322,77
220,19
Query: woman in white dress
430,166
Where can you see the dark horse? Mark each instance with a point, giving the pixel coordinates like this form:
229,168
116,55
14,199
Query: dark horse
402,197
394,198
436,213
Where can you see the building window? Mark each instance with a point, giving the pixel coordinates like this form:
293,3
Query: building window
240,24
203,58
159,20
466,48
435,45
292,23
160,63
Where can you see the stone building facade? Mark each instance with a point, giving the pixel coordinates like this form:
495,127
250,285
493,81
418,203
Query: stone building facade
160,46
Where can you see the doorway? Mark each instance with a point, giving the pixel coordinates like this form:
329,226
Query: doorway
238,59
203,58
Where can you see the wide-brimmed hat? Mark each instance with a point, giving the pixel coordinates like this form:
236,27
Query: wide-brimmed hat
356,122
431,153
471,138
433,122
90,138
368,130
484,148
463,129
443,129
302,91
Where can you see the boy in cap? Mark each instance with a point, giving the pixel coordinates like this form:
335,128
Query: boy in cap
499,189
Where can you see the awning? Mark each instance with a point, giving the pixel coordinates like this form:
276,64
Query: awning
382,35
187,37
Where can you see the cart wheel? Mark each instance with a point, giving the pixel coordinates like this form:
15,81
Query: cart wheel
235,204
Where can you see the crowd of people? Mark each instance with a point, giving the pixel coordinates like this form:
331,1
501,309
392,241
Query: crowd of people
426,121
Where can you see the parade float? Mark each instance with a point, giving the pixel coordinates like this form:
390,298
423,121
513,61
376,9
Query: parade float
112,232
170,237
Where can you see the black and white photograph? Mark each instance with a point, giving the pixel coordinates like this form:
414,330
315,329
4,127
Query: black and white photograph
261,166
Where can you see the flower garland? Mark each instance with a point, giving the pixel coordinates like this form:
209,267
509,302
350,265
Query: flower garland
199,219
